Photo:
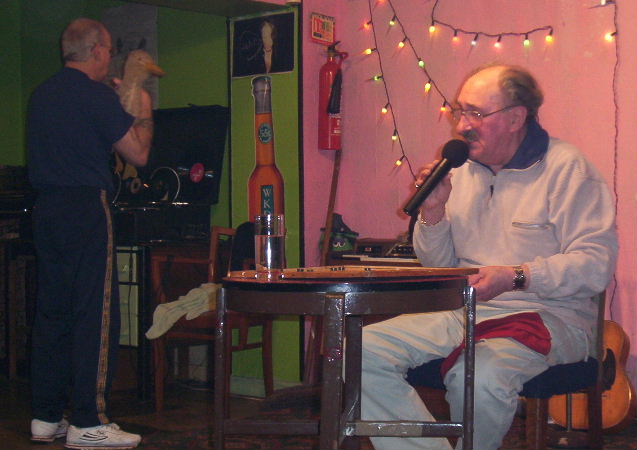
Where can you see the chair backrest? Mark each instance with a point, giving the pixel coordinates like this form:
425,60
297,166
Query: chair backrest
243,247
598,332
221,243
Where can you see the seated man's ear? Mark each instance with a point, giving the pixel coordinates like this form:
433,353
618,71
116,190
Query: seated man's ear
518,117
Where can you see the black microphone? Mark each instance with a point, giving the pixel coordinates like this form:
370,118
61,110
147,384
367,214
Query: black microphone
454,154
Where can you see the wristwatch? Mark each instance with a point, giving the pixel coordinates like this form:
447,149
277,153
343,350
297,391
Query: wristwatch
519,280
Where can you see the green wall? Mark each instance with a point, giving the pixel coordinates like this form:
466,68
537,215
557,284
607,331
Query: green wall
285,122
193,51
11,137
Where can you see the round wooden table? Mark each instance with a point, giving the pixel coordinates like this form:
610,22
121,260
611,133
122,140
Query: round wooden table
342,297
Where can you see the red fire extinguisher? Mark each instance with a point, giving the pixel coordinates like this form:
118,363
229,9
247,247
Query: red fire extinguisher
330,79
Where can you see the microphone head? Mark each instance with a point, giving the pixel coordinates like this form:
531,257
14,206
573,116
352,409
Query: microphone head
456,152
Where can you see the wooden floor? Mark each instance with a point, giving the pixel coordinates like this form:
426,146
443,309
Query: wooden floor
186,408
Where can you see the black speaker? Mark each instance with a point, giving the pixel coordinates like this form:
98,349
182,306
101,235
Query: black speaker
186,158
169,199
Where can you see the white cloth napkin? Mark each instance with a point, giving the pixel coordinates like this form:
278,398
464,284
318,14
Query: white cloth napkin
193,304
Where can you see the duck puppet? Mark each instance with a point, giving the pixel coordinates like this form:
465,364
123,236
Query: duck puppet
139,66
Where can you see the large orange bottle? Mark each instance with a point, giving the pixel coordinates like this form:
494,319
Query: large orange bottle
265,186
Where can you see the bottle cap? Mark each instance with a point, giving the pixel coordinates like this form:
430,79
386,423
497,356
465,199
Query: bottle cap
262,91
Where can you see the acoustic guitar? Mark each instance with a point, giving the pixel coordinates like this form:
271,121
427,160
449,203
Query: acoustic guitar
619,403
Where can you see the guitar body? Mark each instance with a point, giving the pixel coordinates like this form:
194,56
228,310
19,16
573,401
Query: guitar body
619,403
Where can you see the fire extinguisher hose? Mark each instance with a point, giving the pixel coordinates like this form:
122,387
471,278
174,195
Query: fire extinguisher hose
334,103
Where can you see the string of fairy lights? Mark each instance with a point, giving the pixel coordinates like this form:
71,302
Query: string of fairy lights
478,37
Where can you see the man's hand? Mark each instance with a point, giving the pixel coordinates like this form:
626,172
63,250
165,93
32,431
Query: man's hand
115,82
492,281
433,208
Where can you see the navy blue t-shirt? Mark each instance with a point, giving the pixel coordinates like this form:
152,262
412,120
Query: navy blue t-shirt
72,124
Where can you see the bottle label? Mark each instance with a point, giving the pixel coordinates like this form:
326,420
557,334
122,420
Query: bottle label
267,199
265,133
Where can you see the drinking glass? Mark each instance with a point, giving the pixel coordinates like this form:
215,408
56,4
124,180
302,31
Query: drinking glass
269,245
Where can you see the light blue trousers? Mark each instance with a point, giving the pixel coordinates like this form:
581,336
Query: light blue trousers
503,365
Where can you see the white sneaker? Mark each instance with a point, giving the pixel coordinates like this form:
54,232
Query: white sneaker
102,436
42,431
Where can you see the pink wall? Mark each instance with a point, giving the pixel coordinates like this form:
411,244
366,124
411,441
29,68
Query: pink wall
317,163
589,84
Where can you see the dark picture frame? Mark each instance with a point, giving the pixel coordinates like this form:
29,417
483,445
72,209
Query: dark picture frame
263,45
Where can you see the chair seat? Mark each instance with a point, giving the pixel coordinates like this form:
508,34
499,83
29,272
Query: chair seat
561,379
207,321
556,380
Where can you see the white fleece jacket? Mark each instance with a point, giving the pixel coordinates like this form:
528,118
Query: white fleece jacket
556,216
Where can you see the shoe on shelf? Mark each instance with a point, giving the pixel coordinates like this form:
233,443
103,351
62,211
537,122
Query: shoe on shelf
108,436
42,431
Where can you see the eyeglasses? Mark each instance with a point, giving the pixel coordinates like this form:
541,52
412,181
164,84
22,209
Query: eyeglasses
111,50
474,117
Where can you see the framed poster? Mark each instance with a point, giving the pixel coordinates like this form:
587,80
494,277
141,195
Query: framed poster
263,45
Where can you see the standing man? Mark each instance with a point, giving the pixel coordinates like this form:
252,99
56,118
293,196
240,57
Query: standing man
74,123
538,221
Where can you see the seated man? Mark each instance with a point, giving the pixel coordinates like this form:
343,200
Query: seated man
538,220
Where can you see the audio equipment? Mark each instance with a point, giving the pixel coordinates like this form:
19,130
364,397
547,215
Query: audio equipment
169,199
185,161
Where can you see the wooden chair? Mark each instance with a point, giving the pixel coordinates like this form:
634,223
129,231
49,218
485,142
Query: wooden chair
586,376
201,330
